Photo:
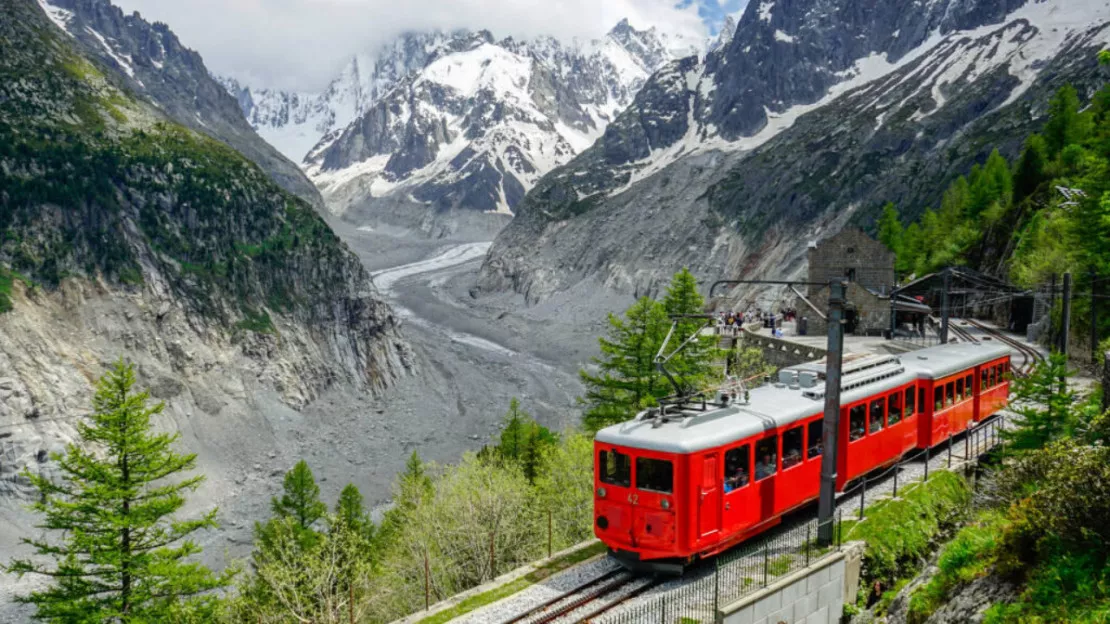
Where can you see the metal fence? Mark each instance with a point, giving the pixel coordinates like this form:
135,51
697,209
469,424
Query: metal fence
754,566
732,576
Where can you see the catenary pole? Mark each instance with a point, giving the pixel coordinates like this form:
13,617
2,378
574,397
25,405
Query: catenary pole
944,312
1065,329
831,424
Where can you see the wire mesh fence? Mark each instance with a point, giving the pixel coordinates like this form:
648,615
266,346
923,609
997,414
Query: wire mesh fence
757,565
734,575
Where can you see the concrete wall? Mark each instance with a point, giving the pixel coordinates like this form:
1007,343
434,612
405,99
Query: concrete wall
782,353
814,595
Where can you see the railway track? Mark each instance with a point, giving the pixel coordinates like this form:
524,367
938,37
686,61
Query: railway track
1031,355
962,333
567,606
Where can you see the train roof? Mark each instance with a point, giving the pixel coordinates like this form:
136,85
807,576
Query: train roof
799,394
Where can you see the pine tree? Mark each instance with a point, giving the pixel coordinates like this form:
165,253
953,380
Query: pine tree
628,380
1064,126
890,230
351,513
1044,412
1030,171
693,365
514,434
300,499
122,553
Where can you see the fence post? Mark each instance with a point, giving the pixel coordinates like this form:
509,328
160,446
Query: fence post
548,533
807,545
766,561
926,464
717,583
949,451
967,445
896,469
427,582
862,493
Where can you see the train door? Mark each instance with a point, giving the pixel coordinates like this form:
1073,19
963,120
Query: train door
709,497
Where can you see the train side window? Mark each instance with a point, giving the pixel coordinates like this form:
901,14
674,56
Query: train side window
967,387
738,464
992,377
766,457
857,422
816,441
894,404
938,398
877,408
792,447
616,468
921,400
654,475
911,405
960,389
949,394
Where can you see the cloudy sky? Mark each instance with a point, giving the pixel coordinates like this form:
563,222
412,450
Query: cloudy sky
301,44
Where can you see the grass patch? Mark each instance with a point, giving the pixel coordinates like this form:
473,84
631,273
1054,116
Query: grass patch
967,557
900,532
258,322
508,589
780,565
7,279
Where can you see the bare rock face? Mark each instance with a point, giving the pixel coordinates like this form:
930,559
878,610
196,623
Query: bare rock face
814,115
128,235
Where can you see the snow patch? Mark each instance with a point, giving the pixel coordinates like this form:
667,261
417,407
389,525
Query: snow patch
61,17
765,11
783,37
124,61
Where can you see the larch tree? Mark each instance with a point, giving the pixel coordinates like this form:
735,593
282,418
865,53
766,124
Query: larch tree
627,379
122,553
1043,412
565,488
300,499
692,366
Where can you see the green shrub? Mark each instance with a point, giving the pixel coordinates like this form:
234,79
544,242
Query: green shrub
901,532
967,557
258,322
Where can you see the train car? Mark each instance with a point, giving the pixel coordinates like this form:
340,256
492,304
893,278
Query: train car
688,481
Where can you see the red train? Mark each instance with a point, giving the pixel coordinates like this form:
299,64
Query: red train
698,479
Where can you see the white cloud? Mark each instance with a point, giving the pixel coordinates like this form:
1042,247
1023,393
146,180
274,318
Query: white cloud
300,44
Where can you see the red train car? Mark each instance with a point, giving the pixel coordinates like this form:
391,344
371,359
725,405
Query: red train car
691,481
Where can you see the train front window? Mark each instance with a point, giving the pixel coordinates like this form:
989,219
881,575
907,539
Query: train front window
877,415
654,475
816,441
894,416
766,457
616,468
921,400
911,406
737,467
792,447
857,422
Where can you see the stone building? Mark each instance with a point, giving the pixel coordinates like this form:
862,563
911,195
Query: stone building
868,267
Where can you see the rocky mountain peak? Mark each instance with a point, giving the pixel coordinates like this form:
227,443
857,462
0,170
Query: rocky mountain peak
724,37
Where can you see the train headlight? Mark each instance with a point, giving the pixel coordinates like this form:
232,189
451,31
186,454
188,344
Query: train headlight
601,492
602,522
666,504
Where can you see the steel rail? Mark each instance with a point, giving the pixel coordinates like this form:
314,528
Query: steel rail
1031,355
589,594
612,605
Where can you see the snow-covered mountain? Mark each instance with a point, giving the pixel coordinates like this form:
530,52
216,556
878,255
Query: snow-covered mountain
814,115
457,121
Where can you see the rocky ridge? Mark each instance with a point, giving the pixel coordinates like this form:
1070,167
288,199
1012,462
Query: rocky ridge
824,140
468,130
125,234
154,65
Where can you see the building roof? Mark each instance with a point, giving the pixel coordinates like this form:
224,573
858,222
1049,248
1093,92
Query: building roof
777,405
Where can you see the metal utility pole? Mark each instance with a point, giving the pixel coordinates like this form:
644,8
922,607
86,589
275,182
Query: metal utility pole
1052,337
831,424
1094,321
1066,320
944,312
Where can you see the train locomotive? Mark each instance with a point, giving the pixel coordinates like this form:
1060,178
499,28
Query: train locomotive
691,480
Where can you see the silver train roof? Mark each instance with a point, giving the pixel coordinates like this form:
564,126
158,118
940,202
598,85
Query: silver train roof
798,394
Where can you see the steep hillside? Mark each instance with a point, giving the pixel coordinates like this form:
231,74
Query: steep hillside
125,234
154,65
841,126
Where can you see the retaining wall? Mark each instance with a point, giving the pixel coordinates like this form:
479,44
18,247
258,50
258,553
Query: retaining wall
782,353
813,595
